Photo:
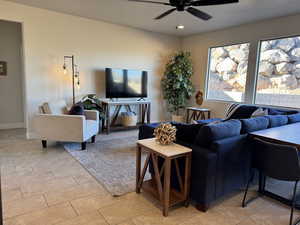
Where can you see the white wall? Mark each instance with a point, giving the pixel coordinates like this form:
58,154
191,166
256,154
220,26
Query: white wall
11,90
48,36
199,45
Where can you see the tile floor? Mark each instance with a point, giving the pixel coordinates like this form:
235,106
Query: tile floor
51,188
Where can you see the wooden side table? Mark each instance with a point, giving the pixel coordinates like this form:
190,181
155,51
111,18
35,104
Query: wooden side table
197,113
164,192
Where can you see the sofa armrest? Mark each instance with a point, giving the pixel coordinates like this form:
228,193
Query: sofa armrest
234,162
60,127
229,144
91,114
204,172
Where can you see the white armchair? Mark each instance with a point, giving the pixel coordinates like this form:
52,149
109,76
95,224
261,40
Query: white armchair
53,124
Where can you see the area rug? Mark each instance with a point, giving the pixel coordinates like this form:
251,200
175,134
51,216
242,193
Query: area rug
111,160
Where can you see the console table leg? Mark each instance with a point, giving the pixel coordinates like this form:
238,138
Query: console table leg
187,116
108,119
167,176
187,178
149,113
138,168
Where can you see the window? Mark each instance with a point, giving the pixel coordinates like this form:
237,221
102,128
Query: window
227,73
278,78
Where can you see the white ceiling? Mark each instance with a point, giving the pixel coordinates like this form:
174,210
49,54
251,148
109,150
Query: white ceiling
140,15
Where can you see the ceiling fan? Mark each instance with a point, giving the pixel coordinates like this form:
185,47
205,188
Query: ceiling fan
187,5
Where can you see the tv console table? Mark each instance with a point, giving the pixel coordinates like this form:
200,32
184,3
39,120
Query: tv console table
144,111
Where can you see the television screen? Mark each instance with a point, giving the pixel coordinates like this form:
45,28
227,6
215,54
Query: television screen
122,83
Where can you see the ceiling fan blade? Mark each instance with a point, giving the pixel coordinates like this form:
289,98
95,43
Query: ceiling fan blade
142,1
212,2
200,14
165,13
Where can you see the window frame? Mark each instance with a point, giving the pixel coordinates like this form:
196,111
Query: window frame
254,91
252,79
208,73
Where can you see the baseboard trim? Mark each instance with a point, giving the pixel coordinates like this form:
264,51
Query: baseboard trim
5,126
31,135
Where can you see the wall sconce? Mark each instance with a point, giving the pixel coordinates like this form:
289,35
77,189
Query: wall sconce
75,74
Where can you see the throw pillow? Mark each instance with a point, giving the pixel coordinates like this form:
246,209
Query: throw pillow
259,112
231,109
186,132
77,109
243,112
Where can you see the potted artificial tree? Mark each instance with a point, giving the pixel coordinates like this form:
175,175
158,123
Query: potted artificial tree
177,84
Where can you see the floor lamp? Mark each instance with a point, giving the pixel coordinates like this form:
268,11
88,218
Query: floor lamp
75,73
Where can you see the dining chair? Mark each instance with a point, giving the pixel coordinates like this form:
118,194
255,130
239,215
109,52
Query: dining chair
276,161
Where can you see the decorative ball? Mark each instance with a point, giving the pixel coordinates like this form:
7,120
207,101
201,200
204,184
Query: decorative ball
199,98
165,134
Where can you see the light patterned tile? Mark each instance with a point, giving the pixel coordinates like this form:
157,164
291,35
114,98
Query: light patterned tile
22,206
129,207
128,222
92,203
91,218
208,218
11,195
40,187
248,222
176,215
48,216
78,191
84,178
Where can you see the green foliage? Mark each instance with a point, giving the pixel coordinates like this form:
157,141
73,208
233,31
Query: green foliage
177,84
91,102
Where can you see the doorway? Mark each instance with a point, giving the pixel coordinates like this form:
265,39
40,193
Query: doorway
12,110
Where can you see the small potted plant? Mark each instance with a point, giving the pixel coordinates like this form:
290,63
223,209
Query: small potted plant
177,84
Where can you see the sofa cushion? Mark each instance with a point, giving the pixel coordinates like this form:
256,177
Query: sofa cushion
277,120
243,112
295,118
254,124
55,107
187,132
212,132
203,122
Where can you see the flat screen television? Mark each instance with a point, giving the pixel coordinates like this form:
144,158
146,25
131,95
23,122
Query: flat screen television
123,83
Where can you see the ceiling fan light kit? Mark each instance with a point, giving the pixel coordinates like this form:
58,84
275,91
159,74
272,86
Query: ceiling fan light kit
188,6
180,27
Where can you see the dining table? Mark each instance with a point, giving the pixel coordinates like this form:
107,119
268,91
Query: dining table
286,135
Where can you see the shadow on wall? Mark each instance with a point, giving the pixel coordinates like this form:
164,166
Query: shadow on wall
99,76
162,109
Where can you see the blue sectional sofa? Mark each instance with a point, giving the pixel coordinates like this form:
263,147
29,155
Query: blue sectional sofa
222,151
